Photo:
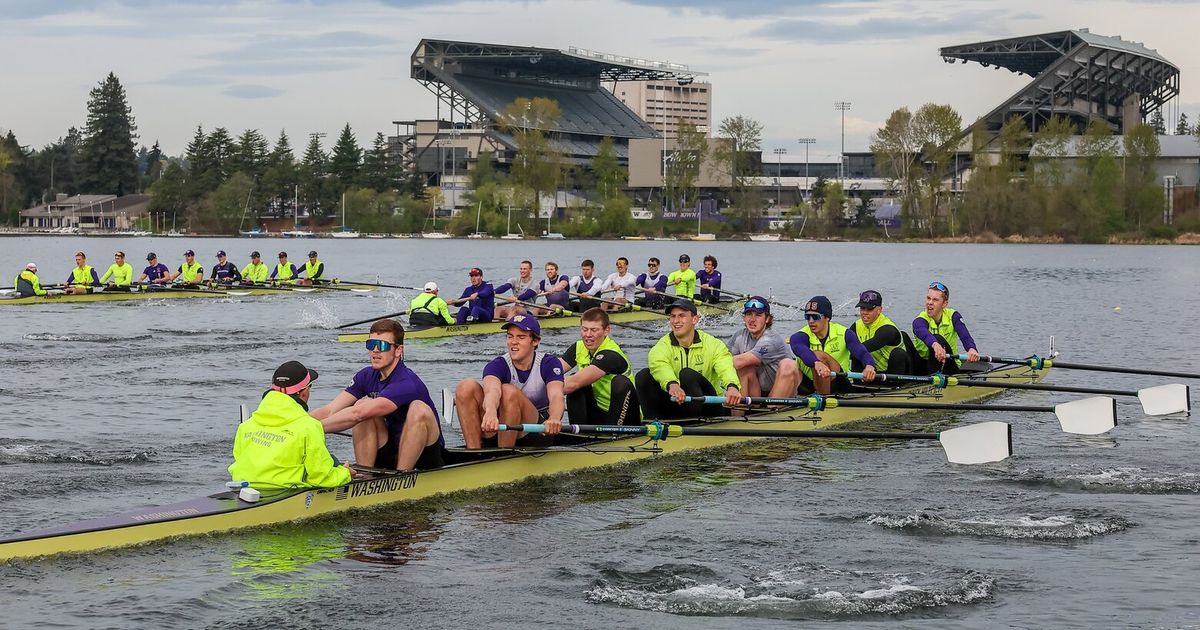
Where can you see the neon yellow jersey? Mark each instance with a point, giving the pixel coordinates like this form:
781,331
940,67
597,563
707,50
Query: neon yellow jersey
602,388
257,274
945,328
686,279
865,332
191,274
122,274
707,355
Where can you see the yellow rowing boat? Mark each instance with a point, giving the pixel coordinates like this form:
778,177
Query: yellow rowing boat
152,292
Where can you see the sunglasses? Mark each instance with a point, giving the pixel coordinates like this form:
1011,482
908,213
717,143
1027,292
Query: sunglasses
755,304
379,345
813,317
939,286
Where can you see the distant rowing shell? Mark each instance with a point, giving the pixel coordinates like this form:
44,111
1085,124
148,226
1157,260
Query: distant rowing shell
154,294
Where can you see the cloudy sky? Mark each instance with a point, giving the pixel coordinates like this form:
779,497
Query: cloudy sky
316,65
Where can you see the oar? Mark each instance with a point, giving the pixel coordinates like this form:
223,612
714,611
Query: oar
1037,362
624,305
385,286
1089,416
1156,401
974,444
554,313
328,287
746,296
374,319
668,298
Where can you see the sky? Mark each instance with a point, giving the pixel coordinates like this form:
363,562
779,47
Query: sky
317,65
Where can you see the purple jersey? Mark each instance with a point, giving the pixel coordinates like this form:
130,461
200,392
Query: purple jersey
658,281
530,384
156,272
561,298
711,279
402,387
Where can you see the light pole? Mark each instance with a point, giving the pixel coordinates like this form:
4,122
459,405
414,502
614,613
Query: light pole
779,153
806,142
842,106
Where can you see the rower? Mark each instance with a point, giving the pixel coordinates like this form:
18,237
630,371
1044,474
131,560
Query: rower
285,272
653,285
764,362
522,386
938,334
280,445
480,300
684,280
709,280
27,284
686,362
256,272
313,270
556,288
190,272
224,272
879,336
120,271
83,277
427,309
587,284
824,347
621,284
155,272
600,390
522,288
395,423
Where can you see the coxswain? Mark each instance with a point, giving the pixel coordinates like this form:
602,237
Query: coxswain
600,390
621,284
427,309
556,288
709,280
285,272
155,272
939,335
479,300
280,445
83,278
521,386
27,284
190,272
763,359
684,280
585,287
119,274
824,347
522,287
256,272
653,285
224,272
880,336
686,362
314,270
393,421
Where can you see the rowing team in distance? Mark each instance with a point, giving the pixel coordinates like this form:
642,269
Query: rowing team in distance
395,424
618,291
83,278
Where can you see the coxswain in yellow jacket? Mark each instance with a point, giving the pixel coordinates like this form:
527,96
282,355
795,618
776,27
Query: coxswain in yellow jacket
280,445
119,274
427,309
83,278
27,284
686,362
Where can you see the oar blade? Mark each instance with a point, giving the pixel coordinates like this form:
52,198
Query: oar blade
1165,400
977,443
1089,416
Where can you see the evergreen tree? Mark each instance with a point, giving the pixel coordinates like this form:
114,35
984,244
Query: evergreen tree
1157,123
279,179
219,147
311,176
250,154
1181,127
153,165
346,161
109,161
377,171
610,175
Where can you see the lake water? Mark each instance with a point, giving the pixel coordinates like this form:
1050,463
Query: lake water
112,406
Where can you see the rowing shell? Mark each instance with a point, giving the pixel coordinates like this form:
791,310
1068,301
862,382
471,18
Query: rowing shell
154,294
549,321
224,511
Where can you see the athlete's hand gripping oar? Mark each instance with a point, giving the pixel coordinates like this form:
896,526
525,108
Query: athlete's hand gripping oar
544,307
1156,401
973,444
624,305
1037,362
1089,416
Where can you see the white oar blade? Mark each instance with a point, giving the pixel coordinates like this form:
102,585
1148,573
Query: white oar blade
1165,400
977,443
447,406
361,290
1090,416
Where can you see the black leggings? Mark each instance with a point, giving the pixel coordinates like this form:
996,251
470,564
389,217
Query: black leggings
657,404
898,362
622,404
923,366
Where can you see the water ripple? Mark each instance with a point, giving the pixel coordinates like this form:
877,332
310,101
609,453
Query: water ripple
1072,526
1122,480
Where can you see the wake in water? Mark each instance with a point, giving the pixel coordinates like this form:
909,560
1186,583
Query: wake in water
59,452
1123,480
318,314
802,592
1075,525
83,337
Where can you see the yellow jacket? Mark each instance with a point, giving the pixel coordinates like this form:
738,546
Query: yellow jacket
281,446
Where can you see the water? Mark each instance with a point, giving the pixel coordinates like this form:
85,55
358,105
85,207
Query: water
113,406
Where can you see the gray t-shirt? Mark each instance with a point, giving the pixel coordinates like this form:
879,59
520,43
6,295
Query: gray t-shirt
770,349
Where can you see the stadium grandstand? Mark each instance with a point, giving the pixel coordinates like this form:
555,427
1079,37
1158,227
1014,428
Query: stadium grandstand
1076,74
475,82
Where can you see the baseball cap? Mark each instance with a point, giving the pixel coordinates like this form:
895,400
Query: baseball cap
475,271
820,304
687,305
870,299
757,304
313,253
528,323
283,254
430,287
685,258
220,253
31,267
255,255
189,253
151,256
292,377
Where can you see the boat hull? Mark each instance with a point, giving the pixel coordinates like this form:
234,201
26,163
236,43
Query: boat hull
121,296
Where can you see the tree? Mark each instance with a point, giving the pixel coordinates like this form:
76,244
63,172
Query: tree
250,154
683,169
740,139
1182,128
895,148
538,163
1100,211
610,175
109,160
377,171
1048,156
6,183
1143,195
311,175
221,211
154,159
168,193
936,128
346,161
1157,123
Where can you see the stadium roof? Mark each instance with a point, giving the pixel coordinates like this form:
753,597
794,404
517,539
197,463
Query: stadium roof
1077,74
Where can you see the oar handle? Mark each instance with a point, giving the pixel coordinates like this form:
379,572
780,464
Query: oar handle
374,319
548,307
588,296
1038,362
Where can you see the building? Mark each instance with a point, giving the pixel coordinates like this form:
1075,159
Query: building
664,103
88,213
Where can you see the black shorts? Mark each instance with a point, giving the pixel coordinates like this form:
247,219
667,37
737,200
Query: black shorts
388,454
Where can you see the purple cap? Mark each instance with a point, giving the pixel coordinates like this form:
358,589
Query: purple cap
820,304
220,253
870,299
528,323
757,304
189,253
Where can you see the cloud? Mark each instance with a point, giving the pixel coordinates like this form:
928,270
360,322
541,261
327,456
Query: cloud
250,90
876,29
343,44
739,8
